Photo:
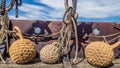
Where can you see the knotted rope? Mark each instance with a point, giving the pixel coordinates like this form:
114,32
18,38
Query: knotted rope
69,26
4,32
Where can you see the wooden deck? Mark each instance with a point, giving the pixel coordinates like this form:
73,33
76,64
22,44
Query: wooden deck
37,64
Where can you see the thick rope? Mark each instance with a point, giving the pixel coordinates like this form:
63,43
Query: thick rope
105,39
2,7
76,40
69,24
5,25
3,35
69,18
18,3
29,36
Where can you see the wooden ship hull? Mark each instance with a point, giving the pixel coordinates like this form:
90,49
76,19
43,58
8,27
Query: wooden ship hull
85,35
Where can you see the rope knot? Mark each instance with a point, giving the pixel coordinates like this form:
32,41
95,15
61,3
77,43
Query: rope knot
68,15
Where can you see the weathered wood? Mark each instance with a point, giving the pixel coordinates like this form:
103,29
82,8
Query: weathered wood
66,62
36,64
84,28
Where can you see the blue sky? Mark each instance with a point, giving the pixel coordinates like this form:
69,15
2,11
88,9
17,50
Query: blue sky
53,10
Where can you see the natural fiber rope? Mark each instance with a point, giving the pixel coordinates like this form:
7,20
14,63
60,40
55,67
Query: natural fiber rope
5,25
114,39
76,39
105,39
57,33
3,35
69,24
40,36
110,35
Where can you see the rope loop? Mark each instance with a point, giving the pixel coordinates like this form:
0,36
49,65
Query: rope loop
68,14
69,20
74,3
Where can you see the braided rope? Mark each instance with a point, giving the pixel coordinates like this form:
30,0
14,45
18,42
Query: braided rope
8,8
74,2
2,7
5,25
3,35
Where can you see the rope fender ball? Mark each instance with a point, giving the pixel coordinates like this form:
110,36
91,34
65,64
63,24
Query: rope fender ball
100,53
50,53
22,50
4,32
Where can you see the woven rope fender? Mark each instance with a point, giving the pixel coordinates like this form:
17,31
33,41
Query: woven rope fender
50,53
22,50
100,53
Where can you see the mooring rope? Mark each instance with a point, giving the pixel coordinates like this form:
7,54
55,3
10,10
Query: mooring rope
69,20
4,32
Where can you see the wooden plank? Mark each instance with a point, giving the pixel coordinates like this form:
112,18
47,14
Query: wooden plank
38,64
66,62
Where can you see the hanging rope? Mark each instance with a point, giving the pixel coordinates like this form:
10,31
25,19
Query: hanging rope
18,3
74,2
5,25
69,26
2,7
3,35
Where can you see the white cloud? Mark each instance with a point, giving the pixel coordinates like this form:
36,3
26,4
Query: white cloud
86,8
98,8
20,17
57,4
31,12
